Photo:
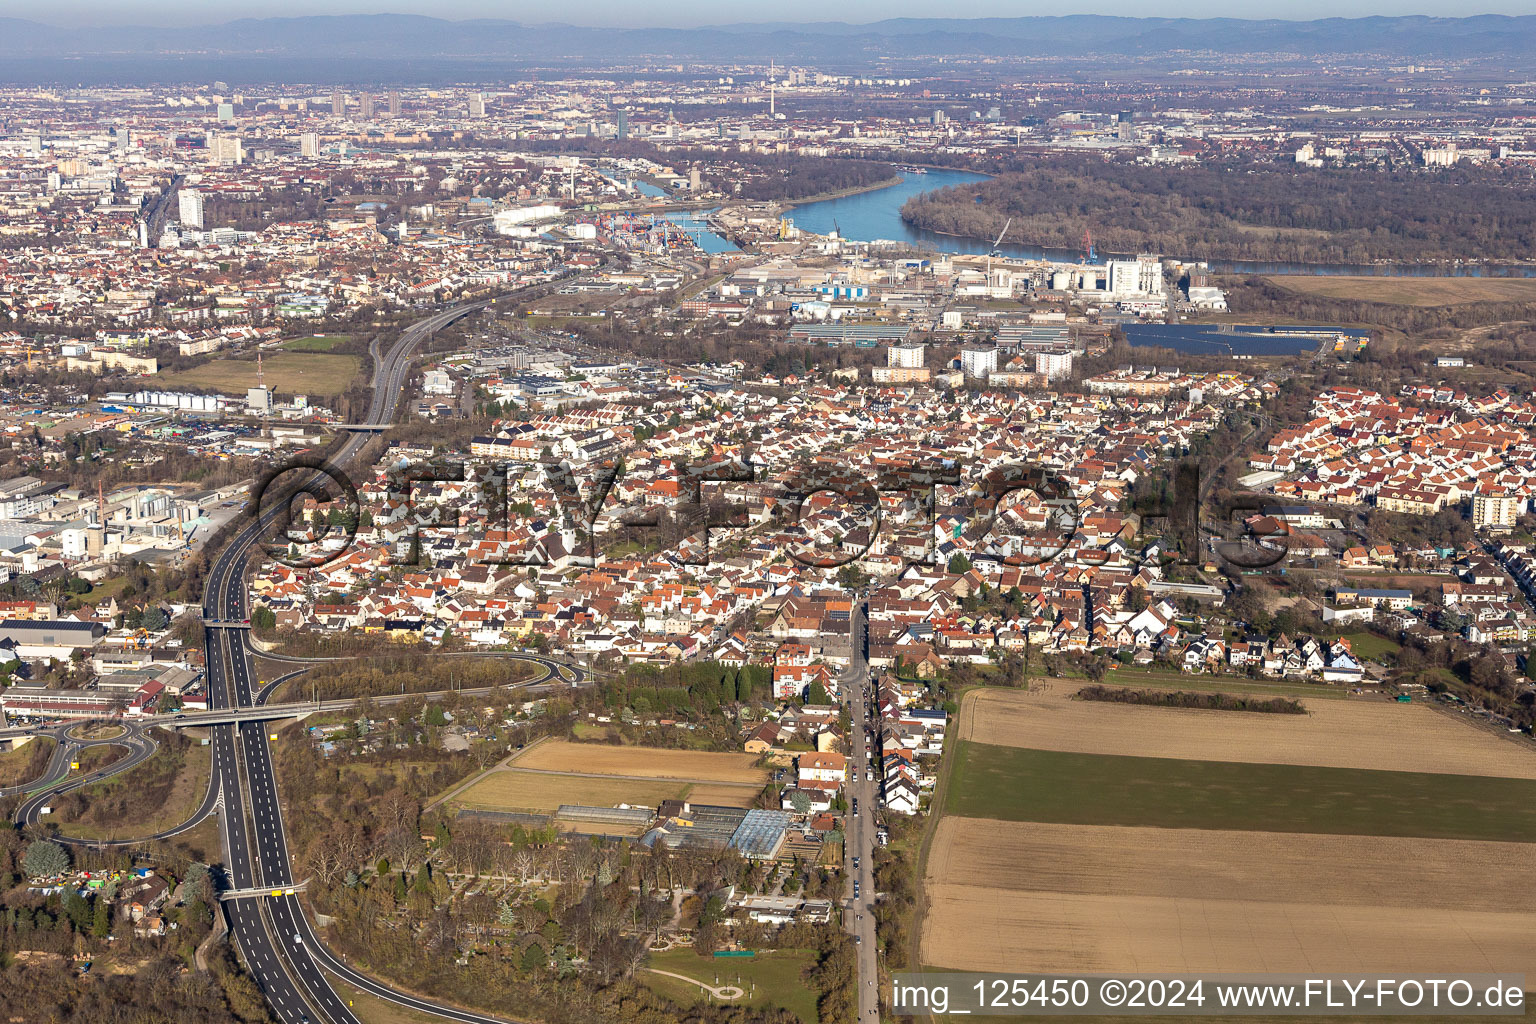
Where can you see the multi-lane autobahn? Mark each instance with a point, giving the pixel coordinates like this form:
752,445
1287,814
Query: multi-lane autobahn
283,953
281,950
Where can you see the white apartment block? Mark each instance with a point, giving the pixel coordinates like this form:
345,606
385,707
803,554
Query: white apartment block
1495,511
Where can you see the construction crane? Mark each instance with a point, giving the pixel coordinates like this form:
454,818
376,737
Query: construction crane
1090,255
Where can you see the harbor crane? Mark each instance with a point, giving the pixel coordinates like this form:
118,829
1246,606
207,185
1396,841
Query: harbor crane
996,246
996,250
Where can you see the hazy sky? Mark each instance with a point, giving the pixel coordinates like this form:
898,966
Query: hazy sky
715,12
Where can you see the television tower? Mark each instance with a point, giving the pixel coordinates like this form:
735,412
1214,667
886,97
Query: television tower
771,85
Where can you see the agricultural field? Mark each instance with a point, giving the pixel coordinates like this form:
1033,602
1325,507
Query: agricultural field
723,794
1018,784
642,762
1138,677
513,790
557,772
1412,291
1373,837
1163,900
1379,735
288,373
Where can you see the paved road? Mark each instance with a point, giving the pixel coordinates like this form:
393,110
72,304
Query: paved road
58,781
859,830
55,779
554,668
555,677
58,763
282,951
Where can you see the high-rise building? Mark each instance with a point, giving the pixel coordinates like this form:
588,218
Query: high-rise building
122,140
226,150
906,354
338,102
978,362
366,102
476,104
1443,156
309,145
1053,364
623,131
189,204
226,112
1495,511
394,103
939,117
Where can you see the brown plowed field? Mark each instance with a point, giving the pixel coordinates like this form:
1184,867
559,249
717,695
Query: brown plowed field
1333,733
641,762
1086,898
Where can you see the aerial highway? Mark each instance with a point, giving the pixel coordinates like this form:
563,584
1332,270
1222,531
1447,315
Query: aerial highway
56,779
142,746
553,667
280,949
58,763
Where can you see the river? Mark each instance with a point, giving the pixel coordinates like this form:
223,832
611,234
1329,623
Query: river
876,216
695,222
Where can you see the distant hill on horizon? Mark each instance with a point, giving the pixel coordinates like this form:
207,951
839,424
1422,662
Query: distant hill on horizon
415,37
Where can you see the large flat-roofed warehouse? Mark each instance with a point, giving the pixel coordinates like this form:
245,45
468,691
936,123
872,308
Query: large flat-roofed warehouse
39,701
49,638
863,335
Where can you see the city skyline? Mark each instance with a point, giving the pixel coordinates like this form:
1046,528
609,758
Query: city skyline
680,13
495,515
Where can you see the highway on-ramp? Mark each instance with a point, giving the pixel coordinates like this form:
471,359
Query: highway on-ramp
280,949
282,952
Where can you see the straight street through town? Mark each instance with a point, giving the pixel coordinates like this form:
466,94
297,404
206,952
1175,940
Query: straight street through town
863,799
